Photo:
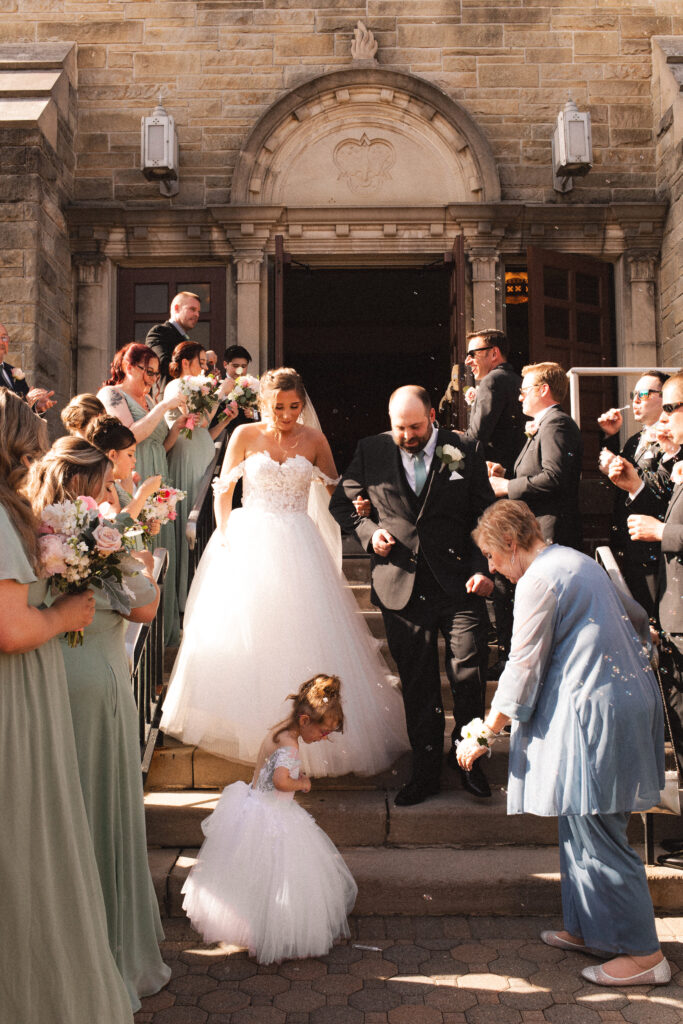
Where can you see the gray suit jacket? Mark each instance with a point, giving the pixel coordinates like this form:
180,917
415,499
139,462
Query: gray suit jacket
437,524
496,418
671,565
547,474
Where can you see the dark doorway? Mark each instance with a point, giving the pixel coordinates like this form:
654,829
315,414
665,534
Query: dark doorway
356,335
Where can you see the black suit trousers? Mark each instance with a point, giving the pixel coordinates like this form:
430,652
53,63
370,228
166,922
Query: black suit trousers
671,675
413,637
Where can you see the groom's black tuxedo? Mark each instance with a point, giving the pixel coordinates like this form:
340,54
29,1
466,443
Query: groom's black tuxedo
420,585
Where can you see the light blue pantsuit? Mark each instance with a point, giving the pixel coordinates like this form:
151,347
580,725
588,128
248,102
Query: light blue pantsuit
605,898
587,741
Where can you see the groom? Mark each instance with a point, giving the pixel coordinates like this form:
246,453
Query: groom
427,488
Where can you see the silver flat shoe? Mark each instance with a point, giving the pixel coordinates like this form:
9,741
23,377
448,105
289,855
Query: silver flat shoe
660,974
553,939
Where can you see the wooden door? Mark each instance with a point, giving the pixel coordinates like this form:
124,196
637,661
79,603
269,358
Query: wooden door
570,322
453,410
145,295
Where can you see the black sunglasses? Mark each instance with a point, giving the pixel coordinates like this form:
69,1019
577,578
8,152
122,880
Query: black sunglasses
484,348
670,407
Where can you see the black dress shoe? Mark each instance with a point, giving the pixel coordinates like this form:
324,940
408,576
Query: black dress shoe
415,793
672,845
474,780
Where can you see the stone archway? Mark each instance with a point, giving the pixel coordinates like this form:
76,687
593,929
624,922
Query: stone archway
365,137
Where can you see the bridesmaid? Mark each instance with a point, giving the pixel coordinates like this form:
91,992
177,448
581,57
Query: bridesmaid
55,961
79,412
189,457
105,724
126,395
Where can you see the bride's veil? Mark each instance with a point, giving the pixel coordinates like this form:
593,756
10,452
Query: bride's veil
319,499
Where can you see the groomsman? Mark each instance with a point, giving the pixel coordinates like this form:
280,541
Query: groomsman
163,338
427,488
548,469
12,378
638,462
669,534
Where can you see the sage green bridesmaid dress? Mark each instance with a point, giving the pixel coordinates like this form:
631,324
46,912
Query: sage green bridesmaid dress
105,722
56,966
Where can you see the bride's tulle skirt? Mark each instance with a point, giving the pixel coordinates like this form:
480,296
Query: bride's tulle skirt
268,610
268,878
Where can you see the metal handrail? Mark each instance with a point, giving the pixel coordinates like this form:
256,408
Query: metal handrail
145,651
604,371
201,521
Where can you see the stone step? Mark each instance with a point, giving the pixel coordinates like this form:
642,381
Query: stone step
177,765
496,881
356,568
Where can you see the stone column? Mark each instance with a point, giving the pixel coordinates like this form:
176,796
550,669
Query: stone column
640,324
95,319
248,267
486,297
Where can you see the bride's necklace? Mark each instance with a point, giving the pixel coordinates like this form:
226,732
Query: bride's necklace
286,448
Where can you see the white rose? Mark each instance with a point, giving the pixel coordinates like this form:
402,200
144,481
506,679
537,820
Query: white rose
452,454
18,373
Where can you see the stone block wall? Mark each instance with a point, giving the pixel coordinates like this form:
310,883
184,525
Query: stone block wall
36,184
220,63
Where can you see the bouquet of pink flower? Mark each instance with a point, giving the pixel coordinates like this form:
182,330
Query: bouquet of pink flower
245,392
80,547
201,396
160,507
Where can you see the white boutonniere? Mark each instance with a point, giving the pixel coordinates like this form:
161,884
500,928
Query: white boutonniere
18,373
450,457
677,474
531,429
471,396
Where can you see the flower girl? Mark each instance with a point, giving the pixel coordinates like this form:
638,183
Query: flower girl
267,877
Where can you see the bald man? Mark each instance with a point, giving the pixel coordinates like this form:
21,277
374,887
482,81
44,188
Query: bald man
427,488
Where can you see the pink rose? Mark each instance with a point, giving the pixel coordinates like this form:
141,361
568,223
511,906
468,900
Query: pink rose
172,515
52,551
45,528
88,503
107,539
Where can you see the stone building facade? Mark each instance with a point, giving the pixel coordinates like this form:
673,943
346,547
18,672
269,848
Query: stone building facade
319,182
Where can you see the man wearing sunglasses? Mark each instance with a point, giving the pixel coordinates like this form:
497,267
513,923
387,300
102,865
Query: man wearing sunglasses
639,461
668,535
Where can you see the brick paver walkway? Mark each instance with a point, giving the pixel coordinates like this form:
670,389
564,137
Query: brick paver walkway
410,970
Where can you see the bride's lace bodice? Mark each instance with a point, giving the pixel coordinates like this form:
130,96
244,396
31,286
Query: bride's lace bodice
283,757
274,486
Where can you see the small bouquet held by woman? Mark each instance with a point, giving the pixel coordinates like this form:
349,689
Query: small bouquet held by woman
201,395
159,509
79,548
245,394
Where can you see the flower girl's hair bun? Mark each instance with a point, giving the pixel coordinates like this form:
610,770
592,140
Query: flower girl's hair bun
320,699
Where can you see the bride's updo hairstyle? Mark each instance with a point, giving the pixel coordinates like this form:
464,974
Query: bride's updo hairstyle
505,524
188,350
71,467
320,699
282,379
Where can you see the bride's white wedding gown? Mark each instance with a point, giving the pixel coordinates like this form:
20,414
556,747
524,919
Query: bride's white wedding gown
268,610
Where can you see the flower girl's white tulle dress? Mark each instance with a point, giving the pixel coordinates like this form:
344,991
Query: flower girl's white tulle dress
267,877
267,610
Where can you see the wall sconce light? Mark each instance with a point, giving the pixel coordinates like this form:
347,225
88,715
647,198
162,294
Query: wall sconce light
159,150
572,147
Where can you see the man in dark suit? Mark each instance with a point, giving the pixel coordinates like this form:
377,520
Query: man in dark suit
497,422
669,534
496,419
163,338
427,488
13,378
637,464
548,469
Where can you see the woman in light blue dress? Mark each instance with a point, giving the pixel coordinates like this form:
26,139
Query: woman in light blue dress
126,395
587,740
189,458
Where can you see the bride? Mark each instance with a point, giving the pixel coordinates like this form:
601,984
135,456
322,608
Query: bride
268,609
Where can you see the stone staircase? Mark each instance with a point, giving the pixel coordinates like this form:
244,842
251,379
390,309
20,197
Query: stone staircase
453,854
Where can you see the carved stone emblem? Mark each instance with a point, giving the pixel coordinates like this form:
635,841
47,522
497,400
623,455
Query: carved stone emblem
364,46
364,164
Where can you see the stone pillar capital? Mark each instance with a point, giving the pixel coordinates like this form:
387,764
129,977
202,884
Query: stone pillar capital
89,267
641,265
484,265
248,266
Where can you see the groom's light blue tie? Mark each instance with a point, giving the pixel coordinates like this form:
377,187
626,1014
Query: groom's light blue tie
420,471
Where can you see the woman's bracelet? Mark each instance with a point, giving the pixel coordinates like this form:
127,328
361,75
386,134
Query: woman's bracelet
480,732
